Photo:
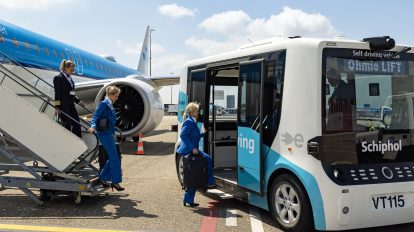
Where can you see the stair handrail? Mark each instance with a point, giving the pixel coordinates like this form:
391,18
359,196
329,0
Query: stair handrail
47,103
38,78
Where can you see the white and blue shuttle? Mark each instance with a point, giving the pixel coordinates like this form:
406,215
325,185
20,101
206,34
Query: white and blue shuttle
306,141
139,108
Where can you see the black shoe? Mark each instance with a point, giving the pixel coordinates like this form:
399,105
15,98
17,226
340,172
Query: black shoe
103,183
117,187
190,205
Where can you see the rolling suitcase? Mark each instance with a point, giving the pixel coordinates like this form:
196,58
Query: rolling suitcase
195,171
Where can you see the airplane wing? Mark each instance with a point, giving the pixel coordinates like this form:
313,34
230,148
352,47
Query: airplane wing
156,82
165,80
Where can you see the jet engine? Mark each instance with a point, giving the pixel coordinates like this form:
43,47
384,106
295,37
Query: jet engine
139,108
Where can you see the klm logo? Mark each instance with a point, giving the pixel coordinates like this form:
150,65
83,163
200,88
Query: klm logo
296,139
144,54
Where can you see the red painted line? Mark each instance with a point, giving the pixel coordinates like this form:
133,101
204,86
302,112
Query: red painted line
209,223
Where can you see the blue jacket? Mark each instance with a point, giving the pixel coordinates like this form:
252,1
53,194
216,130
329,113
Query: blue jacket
190,136
104,110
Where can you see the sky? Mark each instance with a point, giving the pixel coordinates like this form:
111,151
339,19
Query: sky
185,30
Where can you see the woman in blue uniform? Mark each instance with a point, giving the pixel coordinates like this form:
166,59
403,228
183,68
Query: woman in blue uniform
112,169
190,137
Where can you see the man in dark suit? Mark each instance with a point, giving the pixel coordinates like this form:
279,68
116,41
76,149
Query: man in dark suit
65,98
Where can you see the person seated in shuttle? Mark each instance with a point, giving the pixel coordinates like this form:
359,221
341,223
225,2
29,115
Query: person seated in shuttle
340,103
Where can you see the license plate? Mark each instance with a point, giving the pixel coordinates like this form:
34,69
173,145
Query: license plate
389,201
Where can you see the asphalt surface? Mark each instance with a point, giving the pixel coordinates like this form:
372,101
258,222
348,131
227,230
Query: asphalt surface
152,200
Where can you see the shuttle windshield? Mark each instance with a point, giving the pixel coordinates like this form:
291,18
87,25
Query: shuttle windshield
368,106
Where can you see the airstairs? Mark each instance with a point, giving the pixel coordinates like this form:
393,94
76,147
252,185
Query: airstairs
36,152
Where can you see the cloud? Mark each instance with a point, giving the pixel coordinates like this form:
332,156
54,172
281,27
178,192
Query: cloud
237,27
176,11
291,22
230,21
31,4
163,62
211,46
135,49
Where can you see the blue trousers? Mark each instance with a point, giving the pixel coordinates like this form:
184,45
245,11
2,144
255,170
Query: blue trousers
189,193
112,169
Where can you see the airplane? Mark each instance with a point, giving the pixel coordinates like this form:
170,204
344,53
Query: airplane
139,108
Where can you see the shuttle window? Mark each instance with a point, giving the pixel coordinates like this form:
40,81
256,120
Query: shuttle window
274,71
15,42
27,46
1,39
46,51
367,112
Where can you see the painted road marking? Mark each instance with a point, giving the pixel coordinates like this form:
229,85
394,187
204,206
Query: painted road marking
51,228
231,217
209,223
255,220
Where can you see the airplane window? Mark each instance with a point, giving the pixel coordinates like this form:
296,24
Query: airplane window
97,66
91,64
85,61
62,55
46,51
15,42
1,39
27,45
106,69
101,66
55,54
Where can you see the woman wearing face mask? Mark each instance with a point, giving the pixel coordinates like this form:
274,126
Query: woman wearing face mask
190,137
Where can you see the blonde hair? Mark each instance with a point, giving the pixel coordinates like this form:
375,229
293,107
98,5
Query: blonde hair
112,90
192,106
66,64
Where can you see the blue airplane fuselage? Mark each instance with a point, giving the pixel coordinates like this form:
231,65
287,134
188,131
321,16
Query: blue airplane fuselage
36,51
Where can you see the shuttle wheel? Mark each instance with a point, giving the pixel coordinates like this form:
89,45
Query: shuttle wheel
180,169
289,204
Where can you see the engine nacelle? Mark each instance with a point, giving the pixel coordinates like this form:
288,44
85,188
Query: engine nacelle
139,108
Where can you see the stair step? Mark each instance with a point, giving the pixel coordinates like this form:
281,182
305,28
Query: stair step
220,194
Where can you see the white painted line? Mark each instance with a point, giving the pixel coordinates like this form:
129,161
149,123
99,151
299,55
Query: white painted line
220,194
255,220
231,217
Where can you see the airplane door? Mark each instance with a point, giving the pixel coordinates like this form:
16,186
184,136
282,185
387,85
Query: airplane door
79,64
249,128
197,94
72,58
